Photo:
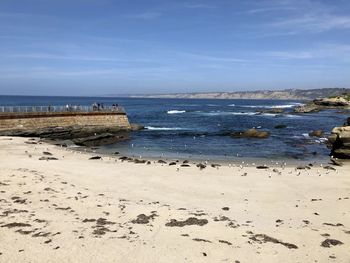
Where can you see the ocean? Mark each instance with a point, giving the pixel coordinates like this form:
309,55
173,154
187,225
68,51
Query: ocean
200,128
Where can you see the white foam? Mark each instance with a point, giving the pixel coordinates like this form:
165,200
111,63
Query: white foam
292,116
244,113
231,105
306,135
163,128
269,114
175,111
283,106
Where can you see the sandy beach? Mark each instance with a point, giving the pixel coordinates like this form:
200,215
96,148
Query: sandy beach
75,209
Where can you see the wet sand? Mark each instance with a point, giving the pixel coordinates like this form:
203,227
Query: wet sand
58,205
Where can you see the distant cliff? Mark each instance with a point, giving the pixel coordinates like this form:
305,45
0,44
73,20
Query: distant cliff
260,94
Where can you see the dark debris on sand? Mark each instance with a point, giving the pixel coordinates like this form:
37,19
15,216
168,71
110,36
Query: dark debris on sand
143,219
262,238
331,242
201,240
225,242
15,224
188,222
95,158
262,167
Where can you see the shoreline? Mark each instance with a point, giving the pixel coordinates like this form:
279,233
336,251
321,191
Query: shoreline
289,162
76,209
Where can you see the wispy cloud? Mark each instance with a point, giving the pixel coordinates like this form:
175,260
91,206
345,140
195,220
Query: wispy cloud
198,6
212,58
325,50
290,54
269,9
314,22
76,58
302,16
145,15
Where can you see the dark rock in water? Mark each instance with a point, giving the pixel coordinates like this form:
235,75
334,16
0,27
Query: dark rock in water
185,165
137,127
162,161
331,242
185,161
116,153
215,165
172,163
95,158
47,153
308,108
251,133
280,126
201,166
273,111
317,133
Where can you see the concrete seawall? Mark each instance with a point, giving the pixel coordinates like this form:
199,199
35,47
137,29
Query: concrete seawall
44,120
66,124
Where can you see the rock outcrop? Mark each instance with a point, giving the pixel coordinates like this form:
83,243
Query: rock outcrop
101,139
272,111
323,104
317,133
340,141
307,108
251,133
332,102
136,127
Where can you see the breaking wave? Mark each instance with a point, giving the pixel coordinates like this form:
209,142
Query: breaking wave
175,111
164,128
283,106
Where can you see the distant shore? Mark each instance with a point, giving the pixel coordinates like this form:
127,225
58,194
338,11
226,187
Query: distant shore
284,94
61,205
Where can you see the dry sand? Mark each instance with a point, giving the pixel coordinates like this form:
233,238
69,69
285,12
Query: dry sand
78,210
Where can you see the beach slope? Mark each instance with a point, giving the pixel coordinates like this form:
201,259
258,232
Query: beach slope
57,205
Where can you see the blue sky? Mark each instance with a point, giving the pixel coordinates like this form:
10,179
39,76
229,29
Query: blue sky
99,47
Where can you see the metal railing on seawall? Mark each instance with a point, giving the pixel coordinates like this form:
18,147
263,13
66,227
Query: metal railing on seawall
67,108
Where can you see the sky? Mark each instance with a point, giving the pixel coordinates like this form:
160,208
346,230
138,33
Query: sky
104,47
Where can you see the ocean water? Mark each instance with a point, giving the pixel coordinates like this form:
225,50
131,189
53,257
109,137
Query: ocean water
199,129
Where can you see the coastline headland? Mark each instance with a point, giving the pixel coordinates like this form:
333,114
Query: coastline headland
62,122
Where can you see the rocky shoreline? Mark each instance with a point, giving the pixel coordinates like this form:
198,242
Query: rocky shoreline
317,105
80,135
340,141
